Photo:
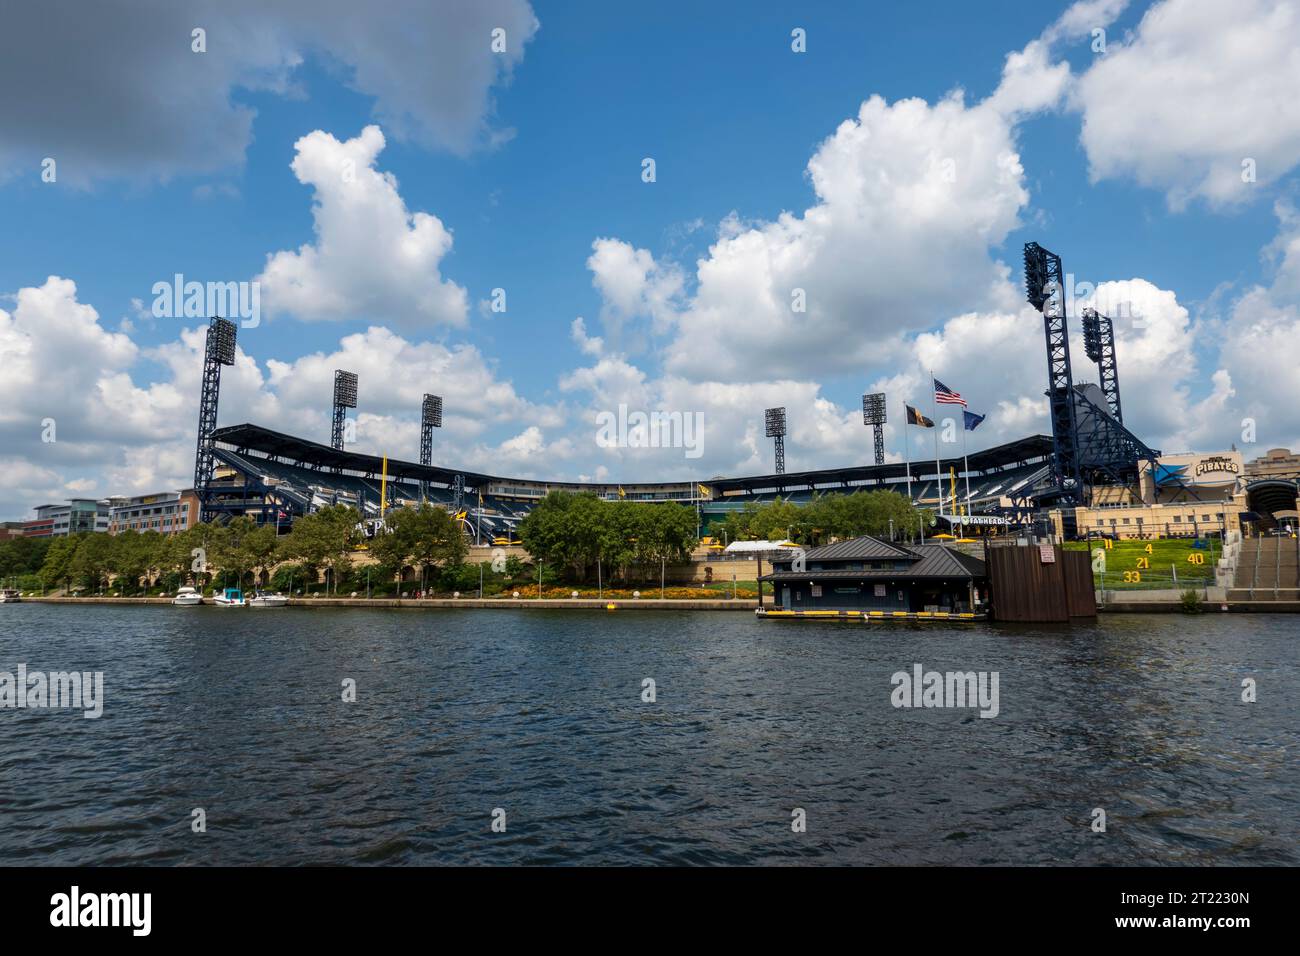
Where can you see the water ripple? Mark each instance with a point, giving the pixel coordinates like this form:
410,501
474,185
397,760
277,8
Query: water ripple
540,714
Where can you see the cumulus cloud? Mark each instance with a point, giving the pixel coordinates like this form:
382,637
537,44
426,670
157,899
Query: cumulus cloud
911,196
1201,88
116,435
114,89
372,258
911,200
1257,359
632,285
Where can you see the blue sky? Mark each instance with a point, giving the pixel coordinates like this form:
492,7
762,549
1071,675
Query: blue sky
549,161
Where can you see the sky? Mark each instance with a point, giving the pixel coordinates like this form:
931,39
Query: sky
543,212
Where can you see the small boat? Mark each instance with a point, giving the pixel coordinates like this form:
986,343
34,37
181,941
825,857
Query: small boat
187,597
230,597
268,599
9,596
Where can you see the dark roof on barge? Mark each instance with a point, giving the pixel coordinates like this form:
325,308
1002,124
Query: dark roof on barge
930,560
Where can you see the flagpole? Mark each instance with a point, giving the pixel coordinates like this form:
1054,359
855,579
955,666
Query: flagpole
907,451
938,473
965,458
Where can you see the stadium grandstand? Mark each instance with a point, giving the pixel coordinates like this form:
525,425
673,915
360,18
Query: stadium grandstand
275,478
1092,475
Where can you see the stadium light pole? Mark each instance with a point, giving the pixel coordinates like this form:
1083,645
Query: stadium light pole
774,419
430,418
345,397
873,414
218,351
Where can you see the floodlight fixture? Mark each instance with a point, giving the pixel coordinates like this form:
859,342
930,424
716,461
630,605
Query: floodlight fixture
431,411
345,389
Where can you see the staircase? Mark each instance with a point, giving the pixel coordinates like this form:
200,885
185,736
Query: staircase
1268,570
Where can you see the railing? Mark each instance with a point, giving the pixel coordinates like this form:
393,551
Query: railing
1113,582
1277,570
1254,578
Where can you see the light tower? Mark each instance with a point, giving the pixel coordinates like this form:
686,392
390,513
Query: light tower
430,418
873,414
219,351
775,420
1099,343
345,397
1045,292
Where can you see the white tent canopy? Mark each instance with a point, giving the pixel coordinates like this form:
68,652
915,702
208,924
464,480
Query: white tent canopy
749,547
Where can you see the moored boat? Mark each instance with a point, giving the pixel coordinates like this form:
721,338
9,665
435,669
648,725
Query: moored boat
230,597
268,599
187,597
10,596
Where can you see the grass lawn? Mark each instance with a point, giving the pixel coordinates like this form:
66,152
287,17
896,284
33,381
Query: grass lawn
743,588
1145,565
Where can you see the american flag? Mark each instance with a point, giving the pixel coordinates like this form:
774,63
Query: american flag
946,396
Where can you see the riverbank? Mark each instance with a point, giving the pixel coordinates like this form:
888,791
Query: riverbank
1147,603
667,604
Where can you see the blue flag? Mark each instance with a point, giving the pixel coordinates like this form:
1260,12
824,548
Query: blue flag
972,420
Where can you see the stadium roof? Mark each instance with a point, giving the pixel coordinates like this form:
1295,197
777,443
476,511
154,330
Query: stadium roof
1000,456
312,454
277,445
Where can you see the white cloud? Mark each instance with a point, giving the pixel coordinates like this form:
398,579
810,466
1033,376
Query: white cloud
1257,358
911,197
632,286
1201,87
372,260
113,89
115,435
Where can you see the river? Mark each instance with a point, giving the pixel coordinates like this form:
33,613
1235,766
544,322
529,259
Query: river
540,715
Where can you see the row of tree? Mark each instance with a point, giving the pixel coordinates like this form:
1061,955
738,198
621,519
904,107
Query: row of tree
21,560
827,516
231,554
572,533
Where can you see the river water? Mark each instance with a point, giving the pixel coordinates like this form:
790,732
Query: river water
540,715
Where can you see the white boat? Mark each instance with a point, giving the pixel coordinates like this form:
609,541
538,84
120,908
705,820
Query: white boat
9,596
187,597
230,597
268,599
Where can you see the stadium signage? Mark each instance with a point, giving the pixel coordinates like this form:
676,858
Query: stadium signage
974,519
1216,463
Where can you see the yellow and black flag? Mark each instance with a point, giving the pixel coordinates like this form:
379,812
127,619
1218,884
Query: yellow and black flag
916,418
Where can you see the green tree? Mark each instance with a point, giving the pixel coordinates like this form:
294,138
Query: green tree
92,561
56,568
436,539
262,548
394,543
325,541
129,559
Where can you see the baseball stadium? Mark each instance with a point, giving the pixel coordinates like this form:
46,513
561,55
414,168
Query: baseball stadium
1091,476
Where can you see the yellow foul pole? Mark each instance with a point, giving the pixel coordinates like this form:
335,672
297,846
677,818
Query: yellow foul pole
383,490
